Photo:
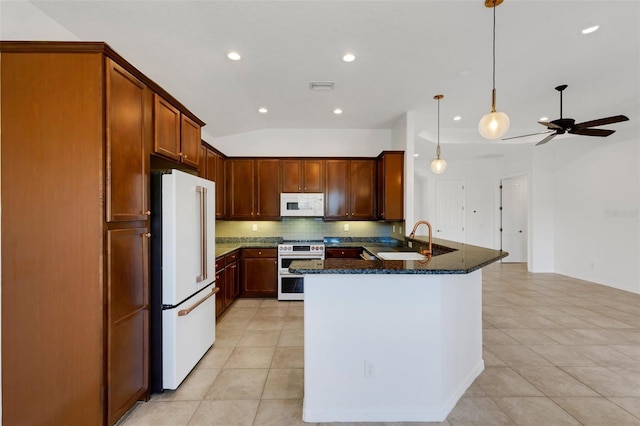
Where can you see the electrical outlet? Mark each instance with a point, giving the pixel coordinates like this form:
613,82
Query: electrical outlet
346,226
369,369
254,227
400,231
393,228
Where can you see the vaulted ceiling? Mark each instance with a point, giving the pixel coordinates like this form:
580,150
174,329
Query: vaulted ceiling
406,52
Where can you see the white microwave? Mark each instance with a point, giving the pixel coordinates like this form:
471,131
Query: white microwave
302,204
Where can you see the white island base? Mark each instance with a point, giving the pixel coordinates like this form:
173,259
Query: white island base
390,347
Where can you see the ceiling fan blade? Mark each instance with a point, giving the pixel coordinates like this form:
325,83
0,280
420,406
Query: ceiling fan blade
547,139
603,121
592,132
550,125
524,136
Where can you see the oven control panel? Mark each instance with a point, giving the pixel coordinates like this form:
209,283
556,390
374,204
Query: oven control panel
301,248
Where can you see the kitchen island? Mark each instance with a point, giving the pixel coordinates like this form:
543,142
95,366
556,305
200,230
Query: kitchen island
392,341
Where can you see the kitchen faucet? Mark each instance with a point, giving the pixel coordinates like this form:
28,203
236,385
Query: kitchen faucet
412,235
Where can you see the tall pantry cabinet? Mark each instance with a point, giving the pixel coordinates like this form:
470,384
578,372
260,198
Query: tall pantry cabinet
76,132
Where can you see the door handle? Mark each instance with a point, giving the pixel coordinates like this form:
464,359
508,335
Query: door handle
203,233
185,312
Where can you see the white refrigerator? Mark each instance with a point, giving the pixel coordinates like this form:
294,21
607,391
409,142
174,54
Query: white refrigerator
183,307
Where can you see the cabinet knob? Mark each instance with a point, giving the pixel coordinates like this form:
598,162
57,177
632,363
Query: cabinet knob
259,252
180,154
148,213
148,235
258,214
184,156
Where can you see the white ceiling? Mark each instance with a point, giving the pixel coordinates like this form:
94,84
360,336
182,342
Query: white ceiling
407,52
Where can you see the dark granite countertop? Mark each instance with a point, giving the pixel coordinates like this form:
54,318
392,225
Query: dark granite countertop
456,258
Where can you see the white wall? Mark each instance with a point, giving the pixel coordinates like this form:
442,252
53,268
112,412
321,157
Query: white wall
596,212
21,20
481,179
304,143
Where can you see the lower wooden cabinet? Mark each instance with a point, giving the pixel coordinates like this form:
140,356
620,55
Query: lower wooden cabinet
227,280
259,272
343,252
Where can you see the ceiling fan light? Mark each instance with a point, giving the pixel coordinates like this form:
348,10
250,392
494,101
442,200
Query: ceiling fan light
438,166
494,125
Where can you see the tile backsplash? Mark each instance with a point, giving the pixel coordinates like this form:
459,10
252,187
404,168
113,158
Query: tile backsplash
307,228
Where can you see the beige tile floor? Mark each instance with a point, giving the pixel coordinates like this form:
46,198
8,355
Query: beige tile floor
557,351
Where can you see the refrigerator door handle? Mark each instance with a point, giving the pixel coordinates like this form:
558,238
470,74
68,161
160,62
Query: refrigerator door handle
203,233
184,312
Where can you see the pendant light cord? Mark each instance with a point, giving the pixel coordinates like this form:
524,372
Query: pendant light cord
438,148
494,45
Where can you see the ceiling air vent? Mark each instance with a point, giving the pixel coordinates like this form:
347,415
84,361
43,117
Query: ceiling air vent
321,85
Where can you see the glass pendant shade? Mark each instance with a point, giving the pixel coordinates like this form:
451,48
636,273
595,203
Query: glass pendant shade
494,125
438,166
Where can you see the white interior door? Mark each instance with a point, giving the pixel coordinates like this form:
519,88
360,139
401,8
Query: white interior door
449,203
514,218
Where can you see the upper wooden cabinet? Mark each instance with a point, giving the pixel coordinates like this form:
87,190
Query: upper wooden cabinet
350,189
391,185
128,122
176,136
212,167
302,175
253,189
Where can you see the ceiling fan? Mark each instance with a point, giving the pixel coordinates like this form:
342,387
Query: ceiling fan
568,125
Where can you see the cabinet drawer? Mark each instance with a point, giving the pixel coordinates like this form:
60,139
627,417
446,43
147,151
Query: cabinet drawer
260,252
232,257
343,252
220,263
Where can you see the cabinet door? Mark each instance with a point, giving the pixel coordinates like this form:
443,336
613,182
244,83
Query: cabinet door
313,180
259,277
267,189
189,141
221,189
210,159
166,129
362,195
343,252
291,175
233,277
127,100
202,162
337,189
127,319
221,283
241,188
391,186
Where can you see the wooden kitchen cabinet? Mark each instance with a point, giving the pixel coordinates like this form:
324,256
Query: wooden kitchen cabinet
176,136
259,272
343,252
254,189
391,186
77,134
350,189
302,175
227,280
221,279
212,167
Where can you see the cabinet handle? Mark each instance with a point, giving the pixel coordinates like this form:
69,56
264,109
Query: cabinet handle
184,312
203,233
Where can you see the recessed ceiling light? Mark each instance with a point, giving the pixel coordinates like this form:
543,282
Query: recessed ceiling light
337,111
262,110
591,29
416,155
544,119
457,118
234,56
349,57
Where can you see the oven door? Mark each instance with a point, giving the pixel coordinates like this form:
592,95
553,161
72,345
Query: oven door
291,285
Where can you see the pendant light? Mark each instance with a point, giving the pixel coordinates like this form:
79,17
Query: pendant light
495,124
438,165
